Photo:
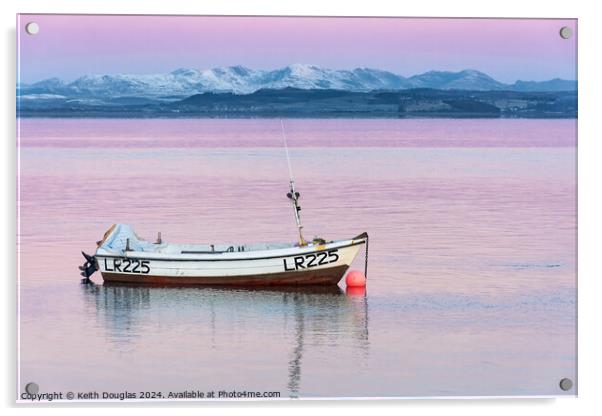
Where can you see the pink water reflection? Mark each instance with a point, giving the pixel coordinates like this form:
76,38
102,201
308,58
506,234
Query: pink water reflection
472,277
216,133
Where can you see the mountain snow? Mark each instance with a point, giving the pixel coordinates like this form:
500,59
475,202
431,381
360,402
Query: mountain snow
185,82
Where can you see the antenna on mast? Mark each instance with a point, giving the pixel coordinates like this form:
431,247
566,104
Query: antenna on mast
292,194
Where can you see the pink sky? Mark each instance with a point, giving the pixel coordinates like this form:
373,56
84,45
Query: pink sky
69,46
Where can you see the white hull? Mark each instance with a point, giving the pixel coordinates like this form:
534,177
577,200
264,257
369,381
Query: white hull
168,264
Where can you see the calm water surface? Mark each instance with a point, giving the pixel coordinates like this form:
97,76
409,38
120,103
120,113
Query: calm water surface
472,282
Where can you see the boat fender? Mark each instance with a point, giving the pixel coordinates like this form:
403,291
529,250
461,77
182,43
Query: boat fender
355,278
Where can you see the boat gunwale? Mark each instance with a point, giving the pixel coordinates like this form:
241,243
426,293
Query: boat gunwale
136,254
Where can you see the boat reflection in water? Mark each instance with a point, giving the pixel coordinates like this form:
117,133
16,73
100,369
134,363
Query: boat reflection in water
216,320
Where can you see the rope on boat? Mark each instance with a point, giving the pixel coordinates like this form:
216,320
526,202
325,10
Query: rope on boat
366,258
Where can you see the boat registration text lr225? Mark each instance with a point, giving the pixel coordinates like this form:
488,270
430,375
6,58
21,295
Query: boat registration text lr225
310,260
127,265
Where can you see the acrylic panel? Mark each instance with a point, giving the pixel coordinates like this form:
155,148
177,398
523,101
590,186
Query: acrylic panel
435,162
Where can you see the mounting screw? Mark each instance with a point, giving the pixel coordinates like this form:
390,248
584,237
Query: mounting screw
566,32
566,384
32,28
32,388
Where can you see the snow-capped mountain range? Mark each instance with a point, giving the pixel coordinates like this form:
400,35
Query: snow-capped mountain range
241,80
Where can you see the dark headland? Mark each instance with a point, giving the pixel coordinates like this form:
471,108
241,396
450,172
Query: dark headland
319,103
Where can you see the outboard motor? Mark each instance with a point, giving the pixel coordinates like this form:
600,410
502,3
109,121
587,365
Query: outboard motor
88,268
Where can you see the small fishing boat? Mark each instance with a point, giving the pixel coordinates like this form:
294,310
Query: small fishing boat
122,256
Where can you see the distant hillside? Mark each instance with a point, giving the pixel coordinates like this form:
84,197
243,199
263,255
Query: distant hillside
297,102
183,83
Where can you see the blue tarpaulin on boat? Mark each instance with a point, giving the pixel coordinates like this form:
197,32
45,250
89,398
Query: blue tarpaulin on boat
118,238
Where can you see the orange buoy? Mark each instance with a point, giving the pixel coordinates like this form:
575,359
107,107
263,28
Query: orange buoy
355,278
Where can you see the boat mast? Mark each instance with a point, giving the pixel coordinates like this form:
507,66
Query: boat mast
292,194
